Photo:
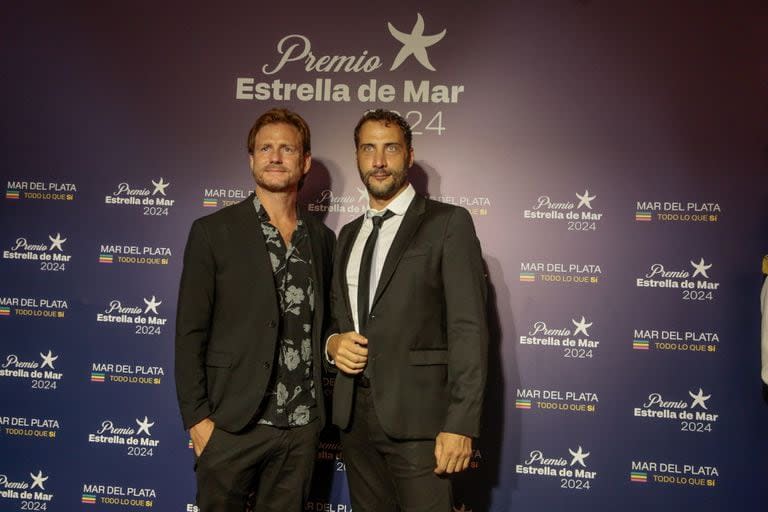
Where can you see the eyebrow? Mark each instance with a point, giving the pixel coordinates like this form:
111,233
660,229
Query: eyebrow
394,143
278,144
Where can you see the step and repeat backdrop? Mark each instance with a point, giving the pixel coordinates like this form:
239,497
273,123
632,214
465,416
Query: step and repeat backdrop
613,156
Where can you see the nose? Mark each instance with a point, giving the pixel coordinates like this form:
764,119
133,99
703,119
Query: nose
275,157
379,159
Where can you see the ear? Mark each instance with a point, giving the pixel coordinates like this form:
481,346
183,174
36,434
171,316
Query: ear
410,158
250,160
307,162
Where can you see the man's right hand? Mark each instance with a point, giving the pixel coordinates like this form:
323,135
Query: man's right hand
349,351
201,434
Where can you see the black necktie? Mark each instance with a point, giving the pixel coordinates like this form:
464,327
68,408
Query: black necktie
364,277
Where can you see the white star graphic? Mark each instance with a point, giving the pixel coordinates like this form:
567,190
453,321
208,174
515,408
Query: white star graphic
699,399
701,268
585,200
144,426
581,326
152,305
38,479
159,186
48,360
363,195
578,456
56,242
415,43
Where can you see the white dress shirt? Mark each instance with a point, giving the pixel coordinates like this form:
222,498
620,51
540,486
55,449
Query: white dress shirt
387,233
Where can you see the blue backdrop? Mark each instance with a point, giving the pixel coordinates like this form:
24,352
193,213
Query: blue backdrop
613,156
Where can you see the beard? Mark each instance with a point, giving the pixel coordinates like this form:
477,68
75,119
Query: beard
387,189
277,183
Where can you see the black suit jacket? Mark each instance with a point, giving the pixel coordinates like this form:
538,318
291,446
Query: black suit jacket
427,331
228,316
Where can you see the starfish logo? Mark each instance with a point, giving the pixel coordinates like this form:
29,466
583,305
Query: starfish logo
48,360
699,399
56,242
152,305
585,200
700,268
362,195
415,43
581,326
38,479
578,457
160,186
144,426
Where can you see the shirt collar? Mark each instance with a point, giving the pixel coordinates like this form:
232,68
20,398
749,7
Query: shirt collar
262,212
399,205
264,216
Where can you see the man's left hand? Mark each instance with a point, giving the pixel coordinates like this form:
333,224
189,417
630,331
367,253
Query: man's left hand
452,453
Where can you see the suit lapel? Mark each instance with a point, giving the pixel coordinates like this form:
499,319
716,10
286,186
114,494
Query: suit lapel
345,244
411,222
317,273
248,237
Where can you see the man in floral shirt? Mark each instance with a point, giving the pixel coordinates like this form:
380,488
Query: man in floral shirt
291,399
248,332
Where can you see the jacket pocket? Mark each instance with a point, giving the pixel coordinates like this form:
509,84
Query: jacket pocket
218,359
414,252
427,357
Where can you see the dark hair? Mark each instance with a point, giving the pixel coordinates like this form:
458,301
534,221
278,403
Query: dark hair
281,115
387,117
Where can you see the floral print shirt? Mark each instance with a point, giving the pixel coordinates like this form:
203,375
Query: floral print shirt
290,400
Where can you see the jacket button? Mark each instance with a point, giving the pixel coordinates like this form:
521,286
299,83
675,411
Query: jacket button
271,323
372,317
266,365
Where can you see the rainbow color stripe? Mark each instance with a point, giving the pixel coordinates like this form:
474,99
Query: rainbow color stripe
527,277
89,499
643,216
106,258
209,202
5,311
522,404
640,344
12,194
639,477
98,376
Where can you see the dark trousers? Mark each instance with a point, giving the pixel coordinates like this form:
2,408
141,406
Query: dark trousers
389,475
269,468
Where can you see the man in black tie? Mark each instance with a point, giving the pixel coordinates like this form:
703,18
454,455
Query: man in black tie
408,303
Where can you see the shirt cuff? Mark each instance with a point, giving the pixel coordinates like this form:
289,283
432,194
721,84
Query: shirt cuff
325,350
